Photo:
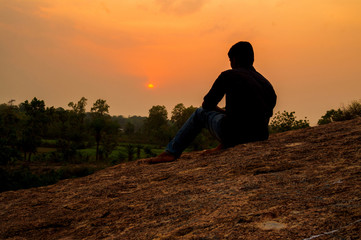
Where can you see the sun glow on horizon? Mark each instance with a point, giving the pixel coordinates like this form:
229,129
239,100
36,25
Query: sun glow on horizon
149,53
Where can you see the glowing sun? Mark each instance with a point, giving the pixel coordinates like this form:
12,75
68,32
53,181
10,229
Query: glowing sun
150,85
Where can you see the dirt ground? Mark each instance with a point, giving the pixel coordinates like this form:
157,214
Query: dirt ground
303,184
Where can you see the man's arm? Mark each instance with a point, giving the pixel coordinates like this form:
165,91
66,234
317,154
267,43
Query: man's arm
215,95
217,109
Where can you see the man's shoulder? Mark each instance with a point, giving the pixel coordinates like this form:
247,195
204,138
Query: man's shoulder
237,73
241,70
229,73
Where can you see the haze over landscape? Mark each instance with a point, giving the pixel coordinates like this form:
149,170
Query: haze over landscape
62,50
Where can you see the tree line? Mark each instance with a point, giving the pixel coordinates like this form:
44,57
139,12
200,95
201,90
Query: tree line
31,124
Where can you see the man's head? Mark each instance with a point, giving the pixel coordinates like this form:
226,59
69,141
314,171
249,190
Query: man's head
241,54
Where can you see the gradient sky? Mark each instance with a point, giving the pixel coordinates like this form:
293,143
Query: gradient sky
62,50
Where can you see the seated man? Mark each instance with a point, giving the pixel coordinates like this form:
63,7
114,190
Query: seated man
250,100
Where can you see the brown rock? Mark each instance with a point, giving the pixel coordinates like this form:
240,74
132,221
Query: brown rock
302,184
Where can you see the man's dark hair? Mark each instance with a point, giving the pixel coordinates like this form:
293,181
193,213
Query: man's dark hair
243,53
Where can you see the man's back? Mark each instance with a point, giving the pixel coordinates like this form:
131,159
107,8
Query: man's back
250,100
249,95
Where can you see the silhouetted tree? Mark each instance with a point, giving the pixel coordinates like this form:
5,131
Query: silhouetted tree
77,132
110,136
100,120
285,121
331,116
80,106
351,111
180,114
100,107
9,132
33,126
69,129
156,124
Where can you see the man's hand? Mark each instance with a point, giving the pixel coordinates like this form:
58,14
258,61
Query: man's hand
221,110
217,109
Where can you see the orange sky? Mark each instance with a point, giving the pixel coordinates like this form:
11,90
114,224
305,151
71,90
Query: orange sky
62,50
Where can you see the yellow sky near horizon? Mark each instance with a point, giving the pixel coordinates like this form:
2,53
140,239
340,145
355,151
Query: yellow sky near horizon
62,50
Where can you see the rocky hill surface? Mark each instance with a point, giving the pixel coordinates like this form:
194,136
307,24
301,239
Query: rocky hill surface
303,184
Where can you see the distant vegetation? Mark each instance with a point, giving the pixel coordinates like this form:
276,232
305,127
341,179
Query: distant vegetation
286,121
349,112
41,145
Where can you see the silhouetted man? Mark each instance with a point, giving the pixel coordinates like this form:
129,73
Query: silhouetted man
250,99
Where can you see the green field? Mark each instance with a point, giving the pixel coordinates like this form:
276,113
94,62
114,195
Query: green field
48,166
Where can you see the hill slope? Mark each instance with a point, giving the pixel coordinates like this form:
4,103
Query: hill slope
301,184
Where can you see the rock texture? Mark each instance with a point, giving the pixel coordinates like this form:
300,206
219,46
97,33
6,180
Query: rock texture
302,184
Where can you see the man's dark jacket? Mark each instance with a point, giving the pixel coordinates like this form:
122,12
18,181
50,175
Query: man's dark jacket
250,99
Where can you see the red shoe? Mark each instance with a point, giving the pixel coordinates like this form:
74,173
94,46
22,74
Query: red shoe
162,158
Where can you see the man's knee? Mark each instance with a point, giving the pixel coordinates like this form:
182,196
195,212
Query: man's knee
199,116
199,113
200,110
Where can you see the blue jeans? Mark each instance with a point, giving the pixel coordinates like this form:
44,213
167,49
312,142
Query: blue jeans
201,118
